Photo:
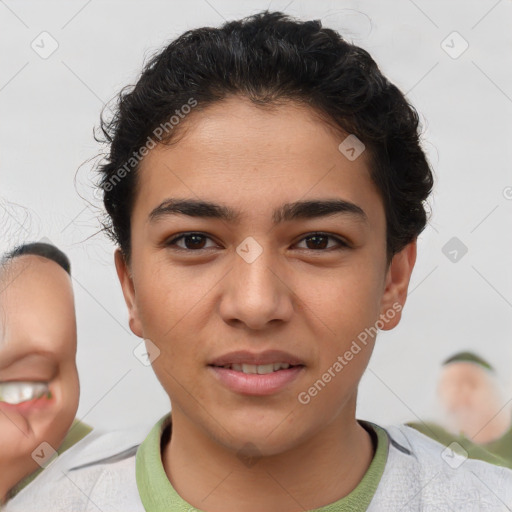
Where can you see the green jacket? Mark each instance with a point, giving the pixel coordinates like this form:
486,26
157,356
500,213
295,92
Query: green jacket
497,452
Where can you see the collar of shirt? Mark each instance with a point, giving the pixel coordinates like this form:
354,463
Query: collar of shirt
157,492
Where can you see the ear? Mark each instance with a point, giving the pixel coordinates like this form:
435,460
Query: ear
126,280
396,286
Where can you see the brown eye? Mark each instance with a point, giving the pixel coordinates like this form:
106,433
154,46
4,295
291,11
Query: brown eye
320,241
190,241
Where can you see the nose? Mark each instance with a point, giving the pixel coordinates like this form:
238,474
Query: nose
256,292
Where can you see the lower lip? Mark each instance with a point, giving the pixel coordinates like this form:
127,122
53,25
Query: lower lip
29,405
256,384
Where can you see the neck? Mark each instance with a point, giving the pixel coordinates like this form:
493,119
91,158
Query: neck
334,460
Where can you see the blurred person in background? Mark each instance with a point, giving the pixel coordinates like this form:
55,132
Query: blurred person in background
39,386
474,414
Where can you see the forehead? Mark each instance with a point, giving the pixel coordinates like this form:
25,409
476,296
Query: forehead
256,156
36,306
464,370
32,273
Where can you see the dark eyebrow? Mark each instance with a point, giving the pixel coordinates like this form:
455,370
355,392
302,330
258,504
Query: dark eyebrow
286,213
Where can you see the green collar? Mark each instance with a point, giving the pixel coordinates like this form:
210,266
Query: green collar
157,493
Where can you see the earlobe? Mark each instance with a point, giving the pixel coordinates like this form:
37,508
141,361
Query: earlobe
126,281
397,285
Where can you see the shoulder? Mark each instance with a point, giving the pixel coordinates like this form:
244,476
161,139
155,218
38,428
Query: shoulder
430,429
493,453
429,476
98,472
77,432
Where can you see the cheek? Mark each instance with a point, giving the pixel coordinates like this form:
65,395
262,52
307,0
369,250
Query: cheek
485,396
52,424
69,395
167,305
71,383
346,302
161,299
343,311
171,299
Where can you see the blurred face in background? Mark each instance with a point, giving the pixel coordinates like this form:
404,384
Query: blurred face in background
39,388
469,396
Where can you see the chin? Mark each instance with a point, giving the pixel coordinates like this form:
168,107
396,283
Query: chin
265,440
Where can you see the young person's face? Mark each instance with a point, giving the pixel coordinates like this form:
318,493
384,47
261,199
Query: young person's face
201,299
37,345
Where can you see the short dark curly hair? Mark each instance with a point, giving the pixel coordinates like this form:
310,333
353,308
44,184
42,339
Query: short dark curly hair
270,57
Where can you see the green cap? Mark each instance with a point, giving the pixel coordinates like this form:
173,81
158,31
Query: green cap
468,357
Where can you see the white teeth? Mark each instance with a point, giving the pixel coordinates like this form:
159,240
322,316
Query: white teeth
16,392
260,369
265,368
250,368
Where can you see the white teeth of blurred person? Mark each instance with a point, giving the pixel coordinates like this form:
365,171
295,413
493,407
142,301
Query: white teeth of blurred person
18,392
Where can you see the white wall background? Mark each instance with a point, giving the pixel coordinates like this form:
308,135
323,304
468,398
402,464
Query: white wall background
48,108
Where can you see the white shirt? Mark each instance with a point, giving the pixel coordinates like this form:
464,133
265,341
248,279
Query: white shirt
421,475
